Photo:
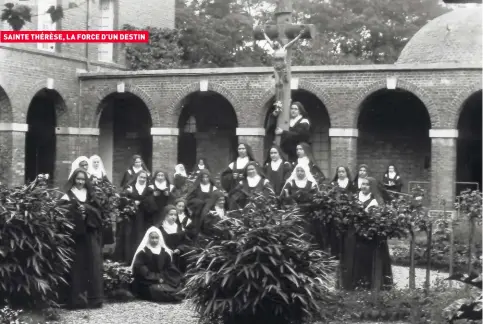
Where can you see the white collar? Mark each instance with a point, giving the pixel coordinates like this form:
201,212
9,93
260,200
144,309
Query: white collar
205,187
253,181
276,164
170,229
343,183
140,188
242,162
301,183
81,194
295,120
363,197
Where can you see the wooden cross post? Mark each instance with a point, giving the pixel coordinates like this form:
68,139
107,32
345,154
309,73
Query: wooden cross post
286,34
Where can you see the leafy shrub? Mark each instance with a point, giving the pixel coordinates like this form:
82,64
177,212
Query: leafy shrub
267,272
9,316
466,308
117,281
35,246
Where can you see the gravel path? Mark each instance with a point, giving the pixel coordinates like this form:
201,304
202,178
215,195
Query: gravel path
142,312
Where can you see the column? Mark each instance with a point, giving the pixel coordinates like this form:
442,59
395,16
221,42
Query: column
443,166
343,148
12,152
255,137
72,142
165,147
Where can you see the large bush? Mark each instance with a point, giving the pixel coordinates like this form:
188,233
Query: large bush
34,246
267,273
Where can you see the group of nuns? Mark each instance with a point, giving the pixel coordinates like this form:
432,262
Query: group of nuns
168,218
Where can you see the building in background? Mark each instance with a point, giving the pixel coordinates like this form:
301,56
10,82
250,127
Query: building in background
422,113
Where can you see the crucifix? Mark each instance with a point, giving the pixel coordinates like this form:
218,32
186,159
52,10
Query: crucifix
281,37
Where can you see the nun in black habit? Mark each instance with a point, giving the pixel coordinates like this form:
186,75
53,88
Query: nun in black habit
85,276
276,168
232,175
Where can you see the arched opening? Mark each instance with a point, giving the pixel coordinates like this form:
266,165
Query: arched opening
124,130
207,126
320,124
40,141
469,144
394,128
5,139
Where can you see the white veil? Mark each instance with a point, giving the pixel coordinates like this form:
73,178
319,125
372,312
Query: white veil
100,172
76,164
157,249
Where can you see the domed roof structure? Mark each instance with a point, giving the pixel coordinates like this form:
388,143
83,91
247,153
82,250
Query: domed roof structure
454,37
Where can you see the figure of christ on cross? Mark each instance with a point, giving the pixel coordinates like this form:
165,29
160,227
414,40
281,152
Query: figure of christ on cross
280,65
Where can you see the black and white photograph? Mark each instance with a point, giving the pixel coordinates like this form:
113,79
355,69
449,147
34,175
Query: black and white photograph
241,161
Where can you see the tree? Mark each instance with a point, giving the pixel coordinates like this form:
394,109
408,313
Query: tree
17,15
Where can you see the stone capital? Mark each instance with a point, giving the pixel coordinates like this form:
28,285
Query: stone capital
443,133
343,132
164,131
250,131
14,127
76,131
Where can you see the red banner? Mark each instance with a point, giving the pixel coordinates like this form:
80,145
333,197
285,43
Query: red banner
73,36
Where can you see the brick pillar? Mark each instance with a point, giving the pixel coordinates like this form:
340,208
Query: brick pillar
443,166
12,152
72,142
343,148
255,137
165,148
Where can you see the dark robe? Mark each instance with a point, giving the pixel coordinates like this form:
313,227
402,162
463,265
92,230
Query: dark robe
177,241
197,199
86,268
296,134
350,188
300,195
241,195
365,262
131,232
148,269
228,179
128,177
392,185
159,199
277,177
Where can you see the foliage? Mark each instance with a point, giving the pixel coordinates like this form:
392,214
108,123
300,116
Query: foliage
9,316
35,245
109,200
469,203
17,15
162,52
117,280
466,308
127,209
267,273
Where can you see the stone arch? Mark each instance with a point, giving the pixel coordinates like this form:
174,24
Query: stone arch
6,110
458,103
261,104
174,107
421,94
61,111
130,88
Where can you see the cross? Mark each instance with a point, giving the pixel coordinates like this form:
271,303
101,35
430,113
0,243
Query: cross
287,35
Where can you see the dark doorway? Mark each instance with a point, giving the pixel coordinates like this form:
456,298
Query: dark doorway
40,141
469,149
394,129
207,129
124,130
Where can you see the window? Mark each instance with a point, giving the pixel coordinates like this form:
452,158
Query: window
105,50
45,22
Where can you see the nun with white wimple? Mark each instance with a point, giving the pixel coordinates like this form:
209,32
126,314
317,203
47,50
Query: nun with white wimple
96,170
301,185
155,276
82,162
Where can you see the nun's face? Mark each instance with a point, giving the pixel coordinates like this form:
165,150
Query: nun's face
138,163
142,178
300,151
160,177
274,155
201,162
95,164
84,165
181,168
341,173
391,168
300,173
294,111
251,171
365,186
242,151
172,216
362,172
153,239
220,202
80,180
180,206
205,179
